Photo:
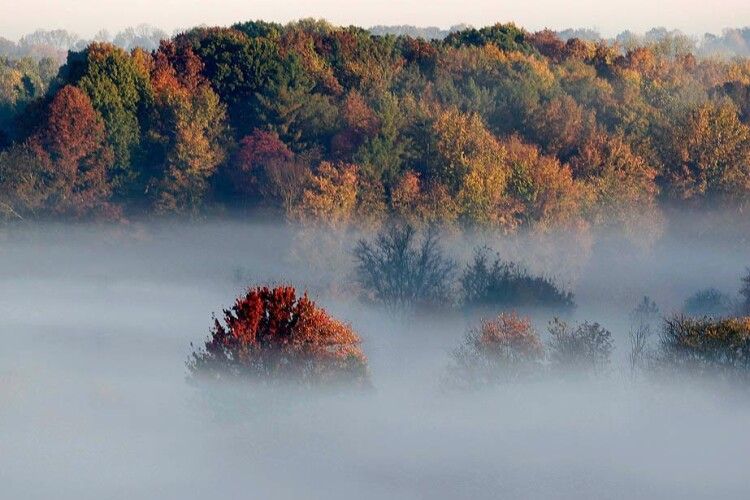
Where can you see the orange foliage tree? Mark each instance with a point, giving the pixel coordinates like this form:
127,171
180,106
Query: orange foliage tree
270,334
265,169
337,195
545,190
189,128
74,153
503,349
422,203
710,156
620,185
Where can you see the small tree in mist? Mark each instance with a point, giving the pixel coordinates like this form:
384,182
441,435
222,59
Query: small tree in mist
709,302
703,346
503,349
745,293
402,270
642,321
493,282
273,335
585,348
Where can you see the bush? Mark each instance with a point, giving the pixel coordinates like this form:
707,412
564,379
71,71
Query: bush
745,293
708,302
706,346
400,271
502,284
273,335
500,350
585,348
642,325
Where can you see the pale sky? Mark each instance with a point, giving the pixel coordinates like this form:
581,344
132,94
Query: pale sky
86,17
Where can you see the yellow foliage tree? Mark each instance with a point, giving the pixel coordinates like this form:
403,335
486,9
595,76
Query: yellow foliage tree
549,196
472,163
712,153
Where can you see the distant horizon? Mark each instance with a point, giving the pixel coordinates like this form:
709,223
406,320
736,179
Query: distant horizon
172,32
86,17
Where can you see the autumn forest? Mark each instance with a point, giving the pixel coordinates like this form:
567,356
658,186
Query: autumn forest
495,128
306,260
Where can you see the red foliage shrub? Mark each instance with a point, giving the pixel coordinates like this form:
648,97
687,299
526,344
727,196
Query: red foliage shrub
510,337
504,349
271,334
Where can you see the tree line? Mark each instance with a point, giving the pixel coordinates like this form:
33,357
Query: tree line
494,127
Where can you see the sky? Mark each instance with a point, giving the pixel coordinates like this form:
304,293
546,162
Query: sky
86,17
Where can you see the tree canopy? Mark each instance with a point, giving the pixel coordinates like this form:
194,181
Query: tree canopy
494,127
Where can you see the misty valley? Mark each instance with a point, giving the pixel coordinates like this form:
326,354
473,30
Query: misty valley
306,260
101,395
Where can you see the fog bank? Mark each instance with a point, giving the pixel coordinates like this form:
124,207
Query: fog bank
97,323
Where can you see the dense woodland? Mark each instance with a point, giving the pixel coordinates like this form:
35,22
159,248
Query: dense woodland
494,128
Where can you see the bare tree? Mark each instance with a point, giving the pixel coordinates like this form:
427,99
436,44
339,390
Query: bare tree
402,270
642,324
583,349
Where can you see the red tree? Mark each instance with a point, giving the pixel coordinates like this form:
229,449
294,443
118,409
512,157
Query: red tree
72,146
273,334
260,159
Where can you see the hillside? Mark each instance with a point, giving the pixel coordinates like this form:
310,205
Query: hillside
494,127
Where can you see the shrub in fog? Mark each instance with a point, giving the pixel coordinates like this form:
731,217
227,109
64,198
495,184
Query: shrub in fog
709,302
584,348
403,269
745,293
271,334
492,282
643,321
705,346
503,349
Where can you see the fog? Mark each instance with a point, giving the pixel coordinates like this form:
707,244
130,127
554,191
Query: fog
97,324
87,16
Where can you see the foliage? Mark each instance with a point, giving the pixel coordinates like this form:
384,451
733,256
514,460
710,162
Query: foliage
271,335
255,154
194,152
422,203
488,282
621,183
712,149
493,127
21,81
504,349
583,349
330,195
709,302
544,191
401,270
247,72
473,166
705,346
505,36
119,91
23,182
74,156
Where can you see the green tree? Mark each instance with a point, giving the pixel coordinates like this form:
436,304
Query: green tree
248,73
120,91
